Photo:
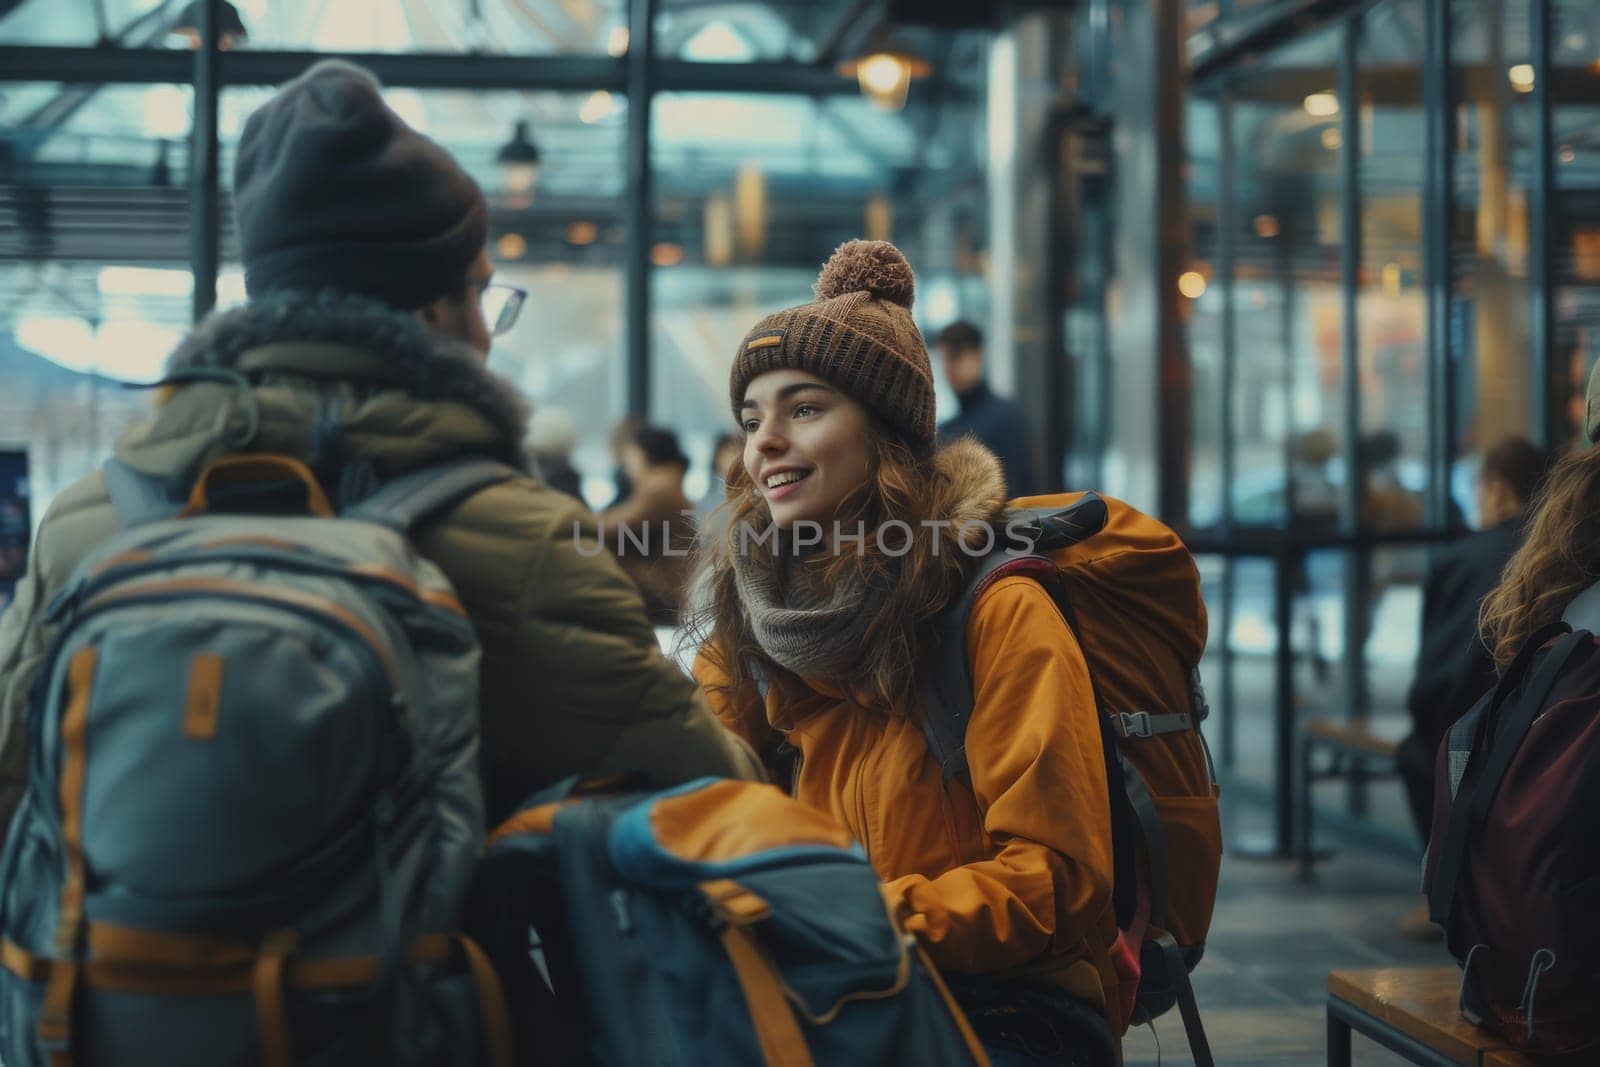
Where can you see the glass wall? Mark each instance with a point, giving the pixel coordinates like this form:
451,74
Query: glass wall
1287,431
1492,306
1204,316
94,280
755,179
1575,206
1391,351
753,193
1384,287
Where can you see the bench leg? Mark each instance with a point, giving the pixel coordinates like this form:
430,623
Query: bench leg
1338,1041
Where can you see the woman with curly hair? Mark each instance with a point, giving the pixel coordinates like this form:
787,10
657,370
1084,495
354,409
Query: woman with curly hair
1556,573
848,532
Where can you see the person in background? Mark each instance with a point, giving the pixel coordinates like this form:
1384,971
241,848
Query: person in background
995,421
1454,666
362,353
1007,883
621,434
1386,503
551,438
652,531
725,453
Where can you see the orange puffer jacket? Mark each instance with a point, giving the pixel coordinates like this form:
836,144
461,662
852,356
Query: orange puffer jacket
1011,877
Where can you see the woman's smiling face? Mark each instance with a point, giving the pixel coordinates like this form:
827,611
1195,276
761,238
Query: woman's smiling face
806,445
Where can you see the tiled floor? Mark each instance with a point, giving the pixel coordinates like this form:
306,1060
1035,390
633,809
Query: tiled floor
1273,941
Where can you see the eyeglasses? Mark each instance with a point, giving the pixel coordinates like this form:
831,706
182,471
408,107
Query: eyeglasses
501,306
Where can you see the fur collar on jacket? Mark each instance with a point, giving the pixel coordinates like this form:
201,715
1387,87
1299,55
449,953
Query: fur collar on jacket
425,364
969,488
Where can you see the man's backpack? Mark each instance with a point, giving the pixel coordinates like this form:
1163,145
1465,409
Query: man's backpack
1130,591
717,924
1513,871
254,800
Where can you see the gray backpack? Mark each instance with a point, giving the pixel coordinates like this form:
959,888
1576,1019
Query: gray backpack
254,801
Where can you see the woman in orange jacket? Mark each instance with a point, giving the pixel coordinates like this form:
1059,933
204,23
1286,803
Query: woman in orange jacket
849,531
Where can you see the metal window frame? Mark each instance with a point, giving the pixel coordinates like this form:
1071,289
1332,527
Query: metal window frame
1230,48
640,74
1548,412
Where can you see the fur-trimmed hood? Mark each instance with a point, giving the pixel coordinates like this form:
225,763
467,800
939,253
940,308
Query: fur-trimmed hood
422,362
332,376
969,488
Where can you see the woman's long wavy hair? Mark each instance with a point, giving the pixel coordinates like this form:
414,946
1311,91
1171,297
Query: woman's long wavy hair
902,484
1559,557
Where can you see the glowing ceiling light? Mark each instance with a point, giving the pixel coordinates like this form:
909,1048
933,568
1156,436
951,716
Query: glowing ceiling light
885,72
1192,284
1322,105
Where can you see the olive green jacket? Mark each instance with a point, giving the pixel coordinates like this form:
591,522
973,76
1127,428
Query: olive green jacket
573,680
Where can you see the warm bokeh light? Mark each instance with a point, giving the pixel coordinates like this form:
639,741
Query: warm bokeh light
1322,105
511,246
1192,284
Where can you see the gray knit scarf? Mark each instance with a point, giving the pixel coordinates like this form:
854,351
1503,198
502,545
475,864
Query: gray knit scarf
814,633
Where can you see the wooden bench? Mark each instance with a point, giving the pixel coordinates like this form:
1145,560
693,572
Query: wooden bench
1412,1011
1360,748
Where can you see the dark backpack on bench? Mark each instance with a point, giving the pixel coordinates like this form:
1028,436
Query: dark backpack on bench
1513,869
1130,591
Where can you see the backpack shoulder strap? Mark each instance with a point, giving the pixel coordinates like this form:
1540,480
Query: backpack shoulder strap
947,683
1583,613
416,496
138,497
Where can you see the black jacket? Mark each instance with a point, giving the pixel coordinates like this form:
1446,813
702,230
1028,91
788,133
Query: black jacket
1454,668
998,423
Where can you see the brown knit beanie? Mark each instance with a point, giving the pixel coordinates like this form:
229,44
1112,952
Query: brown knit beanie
857,335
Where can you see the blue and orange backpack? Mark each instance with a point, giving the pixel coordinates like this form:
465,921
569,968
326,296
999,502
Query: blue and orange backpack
717,923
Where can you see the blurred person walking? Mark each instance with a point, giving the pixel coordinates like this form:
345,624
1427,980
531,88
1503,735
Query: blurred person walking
551,439
621,434
652,531
725,452
993,419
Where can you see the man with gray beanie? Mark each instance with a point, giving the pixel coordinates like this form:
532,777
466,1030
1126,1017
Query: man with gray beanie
361,353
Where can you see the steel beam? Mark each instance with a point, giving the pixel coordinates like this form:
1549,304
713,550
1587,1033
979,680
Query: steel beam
639,210
421,70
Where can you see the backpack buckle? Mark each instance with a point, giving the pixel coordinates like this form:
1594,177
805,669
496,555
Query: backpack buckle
1135,724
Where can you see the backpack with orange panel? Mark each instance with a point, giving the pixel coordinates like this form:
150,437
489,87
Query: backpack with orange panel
716,924
1129,590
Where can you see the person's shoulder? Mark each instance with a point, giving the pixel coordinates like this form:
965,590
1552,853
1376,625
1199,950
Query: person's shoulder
1016,604
1485,548
509,526
77,520
1005,407
521,506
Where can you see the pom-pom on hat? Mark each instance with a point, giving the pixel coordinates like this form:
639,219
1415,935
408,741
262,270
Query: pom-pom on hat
857,335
